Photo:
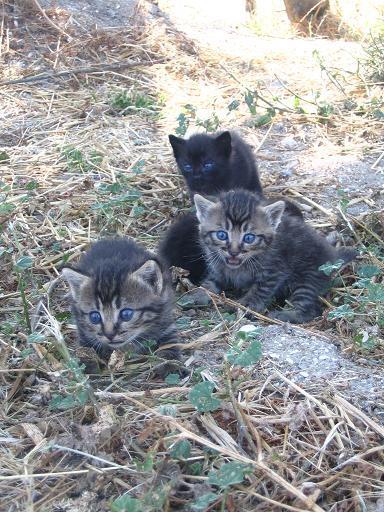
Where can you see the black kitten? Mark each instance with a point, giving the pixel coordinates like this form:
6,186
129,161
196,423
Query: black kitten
122,298
214,163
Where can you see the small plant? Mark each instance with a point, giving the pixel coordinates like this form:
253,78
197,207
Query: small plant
78,161
202,399
189,115
374,60
239,357
21,268
128,102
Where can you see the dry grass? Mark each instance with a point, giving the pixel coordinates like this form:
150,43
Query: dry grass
75,169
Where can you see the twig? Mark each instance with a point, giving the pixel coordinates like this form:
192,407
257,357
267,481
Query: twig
56,27
101,68
376,163
312,203
258,95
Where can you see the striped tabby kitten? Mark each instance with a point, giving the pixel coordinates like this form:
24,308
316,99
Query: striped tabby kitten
255,250
122,299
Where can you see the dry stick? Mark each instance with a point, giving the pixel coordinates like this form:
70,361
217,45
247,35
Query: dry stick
53,475
366,228
230,453
101,68
357,458
341,402
258,95
56,27
144,394
310,397
312,203
349,225
243,430
235,304
376,163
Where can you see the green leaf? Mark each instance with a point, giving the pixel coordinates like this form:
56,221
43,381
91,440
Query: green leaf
229,474
330,267
4,156
126,504
249,98
367,271
375,292
172,378
246,357
201,397
183,123
63,403
196,469
138,168
181,450
23,263
344,311
32,185
203,501
262,120
234,105
26,352
35,337
6,208
248,332
167,410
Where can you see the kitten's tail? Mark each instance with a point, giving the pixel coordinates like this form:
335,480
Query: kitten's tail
347,254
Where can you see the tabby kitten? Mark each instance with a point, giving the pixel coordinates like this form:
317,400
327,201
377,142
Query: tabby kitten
214,163
122,299
181,245
264,255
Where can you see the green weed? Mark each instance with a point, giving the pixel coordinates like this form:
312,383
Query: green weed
374,60
77,160
130,102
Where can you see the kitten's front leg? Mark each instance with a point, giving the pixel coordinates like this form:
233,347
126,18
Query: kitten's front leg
259,296
201,297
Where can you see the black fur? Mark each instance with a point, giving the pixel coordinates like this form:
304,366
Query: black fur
234,163
180,247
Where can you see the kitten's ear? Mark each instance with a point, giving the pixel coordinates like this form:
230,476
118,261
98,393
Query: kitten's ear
177,143
75,280
274,213
224,143
202,207
150,272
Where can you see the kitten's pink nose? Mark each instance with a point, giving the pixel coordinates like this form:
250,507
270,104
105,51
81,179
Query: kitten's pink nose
109,334
233,252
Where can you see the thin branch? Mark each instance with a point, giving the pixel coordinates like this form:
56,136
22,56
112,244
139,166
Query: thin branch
101,68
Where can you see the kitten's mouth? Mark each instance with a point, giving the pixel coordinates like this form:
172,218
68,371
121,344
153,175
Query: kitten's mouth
233,261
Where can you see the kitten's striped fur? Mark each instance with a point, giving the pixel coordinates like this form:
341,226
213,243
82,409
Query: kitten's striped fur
114,275
282,263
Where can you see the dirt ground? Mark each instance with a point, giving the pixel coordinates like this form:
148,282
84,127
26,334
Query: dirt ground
314,377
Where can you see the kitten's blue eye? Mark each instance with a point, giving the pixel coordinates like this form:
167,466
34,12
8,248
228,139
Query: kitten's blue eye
208,166
249,238
126,314
187,167
95,317
222,235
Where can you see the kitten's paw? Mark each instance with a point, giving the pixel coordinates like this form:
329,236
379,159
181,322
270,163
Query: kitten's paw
162,370
199,297
285,316
255,305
